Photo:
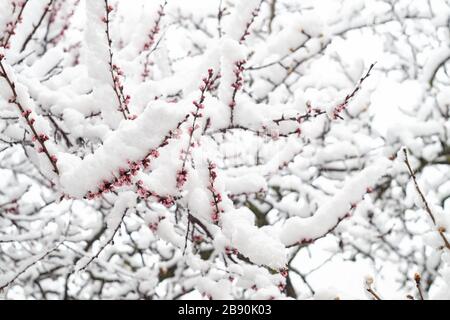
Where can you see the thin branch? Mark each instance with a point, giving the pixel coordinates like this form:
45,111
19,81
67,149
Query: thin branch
106,243
30,36
417,279
413,176
11,32
113,69
441,230
23,269
26,115
369,289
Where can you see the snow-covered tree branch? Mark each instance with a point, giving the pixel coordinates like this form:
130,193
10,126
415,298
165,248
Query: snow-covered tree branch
227,149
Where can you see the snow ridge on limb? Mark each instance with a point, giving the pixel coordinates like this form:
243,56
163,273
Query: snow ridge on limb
251,241
305,230
132,141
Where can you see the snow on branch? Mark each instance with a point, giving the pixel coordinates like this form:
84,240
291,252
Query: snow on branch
36,124
114,220
123,151
190,149
305,230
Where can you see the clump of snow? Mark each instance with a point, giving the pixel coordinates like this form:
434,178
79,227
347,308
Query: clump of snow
258,246
125,200
297,230
247,183
131,142
216,290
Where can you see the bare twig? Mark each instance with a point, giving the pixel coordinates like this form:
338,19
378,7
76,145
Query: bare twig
23,269
440,230
30,35
106,243
417,279
113,69
369,289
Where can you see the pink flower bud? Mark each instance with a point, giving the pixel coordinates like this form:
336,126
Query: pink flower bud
26,113
154,153
43,137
